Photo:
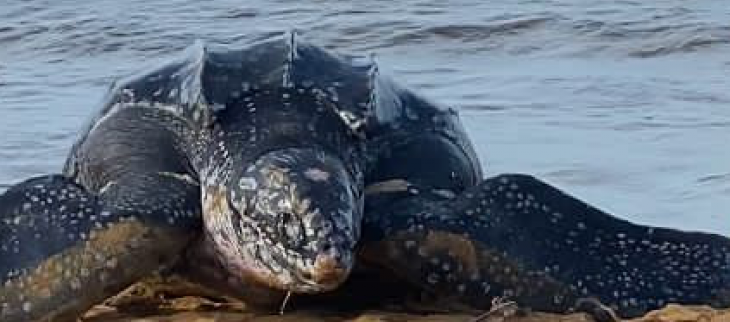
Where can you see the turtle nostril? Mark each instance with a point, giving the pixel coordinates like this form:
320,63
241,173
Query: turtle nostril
326,247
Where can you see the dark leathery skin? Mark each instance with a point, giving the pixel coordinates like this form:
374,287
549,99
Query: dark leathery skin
62,240
517,237
172,156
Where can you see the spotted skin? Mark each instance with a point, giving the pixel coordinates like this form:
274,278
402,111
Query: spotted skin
436,224
265,210
61,239
517,237
268,164
124,209
167,165
278,216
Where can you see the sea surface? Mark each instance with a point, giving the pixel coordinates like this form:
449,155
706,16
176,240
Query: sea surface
625,104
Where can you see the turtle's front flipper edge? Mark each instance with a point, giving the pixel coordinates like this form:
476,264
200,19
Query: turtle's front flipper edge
516,237
63,249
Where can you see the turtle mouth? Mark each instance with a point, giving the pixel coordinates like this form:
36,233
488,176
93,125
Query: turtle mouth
306,272
326,274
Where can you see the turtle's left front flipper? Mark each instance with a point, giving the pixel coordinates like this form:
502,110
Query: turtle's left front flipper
434,241
63,249
517,237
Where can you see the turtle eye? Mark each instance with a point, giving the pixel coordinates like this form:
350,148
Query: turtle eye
290,230
243,203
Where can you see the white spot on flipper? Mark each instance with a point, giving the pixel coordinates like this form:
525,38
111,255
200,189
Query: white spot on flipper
180,176
111,263
316,174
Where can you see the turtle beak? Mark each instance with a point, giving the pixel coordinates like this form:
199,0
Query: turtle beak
329,271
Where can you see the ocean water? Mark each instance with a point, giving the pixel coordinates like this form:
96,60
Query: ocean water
625,104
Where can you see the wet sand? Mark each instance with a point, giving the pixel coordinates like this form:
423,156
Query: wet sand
157,300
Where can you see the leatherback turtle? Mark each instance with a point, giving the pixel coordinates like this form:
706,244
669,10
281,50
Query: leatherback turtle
277,166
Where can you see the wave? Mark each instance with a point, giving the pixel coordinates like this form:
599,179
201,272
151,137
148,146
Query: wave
683,45
715,177
473,31
61,31
646,39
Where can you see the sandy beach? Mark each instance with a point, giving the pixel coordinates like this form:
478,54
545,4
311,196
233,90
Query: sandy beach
157,300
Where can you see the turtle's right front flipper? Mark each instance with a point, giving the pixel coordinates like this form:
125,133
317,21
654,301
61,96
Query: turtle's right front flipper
64,249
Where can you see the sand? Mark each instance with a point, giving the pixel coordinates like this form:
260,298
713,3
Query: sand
157,300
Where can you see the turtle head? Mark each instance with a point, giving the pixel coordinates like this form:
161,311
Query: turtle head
296,217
